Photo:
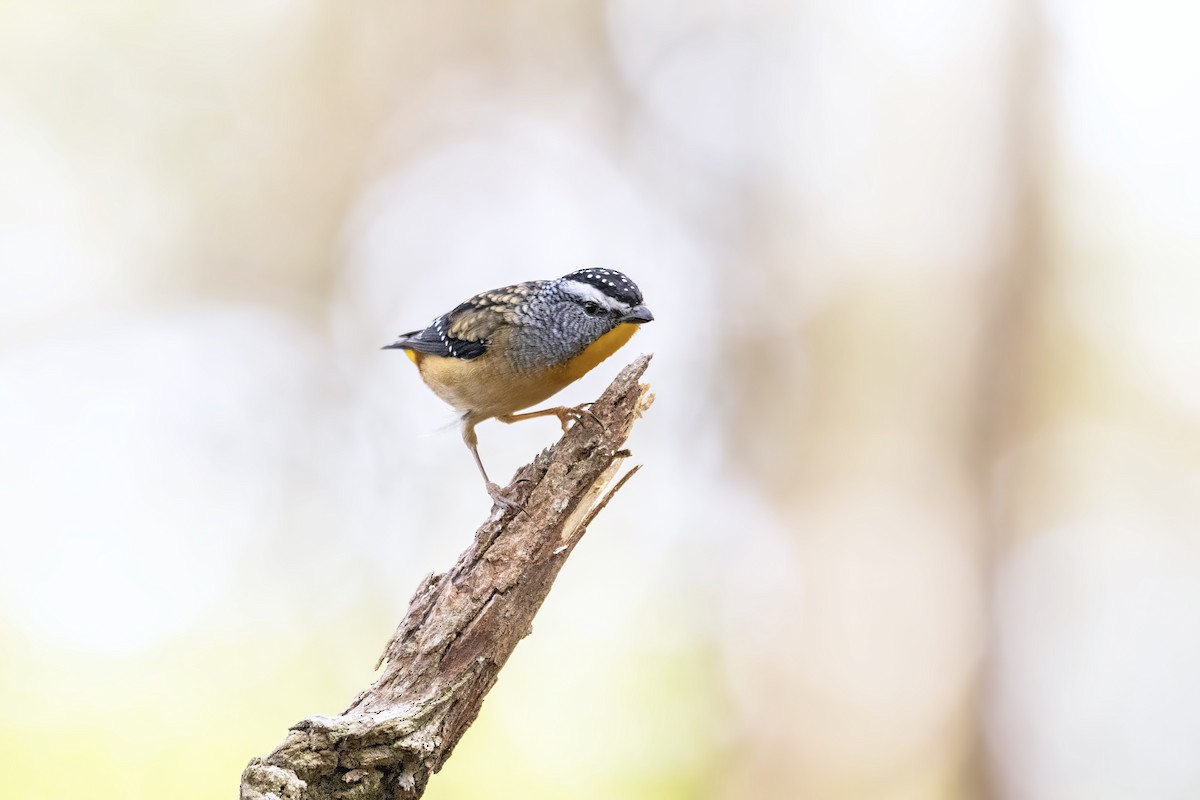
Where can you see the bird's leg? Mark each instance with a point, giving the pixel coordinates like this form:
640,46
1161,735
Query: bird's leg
493,490
565,415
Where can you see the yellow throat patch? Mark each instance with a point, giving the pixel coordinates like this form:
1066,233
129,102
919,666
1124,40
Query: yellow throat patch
599,350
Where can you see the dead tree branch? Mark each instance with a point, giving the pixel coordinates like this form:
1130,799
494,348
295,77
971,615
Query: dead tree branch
461,626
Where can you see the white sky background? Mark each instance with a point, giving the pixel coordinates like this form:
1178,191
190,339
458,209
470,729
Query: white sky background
1095,690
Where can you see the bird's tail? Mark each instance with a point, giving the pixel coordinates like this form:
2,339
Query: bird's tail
404,342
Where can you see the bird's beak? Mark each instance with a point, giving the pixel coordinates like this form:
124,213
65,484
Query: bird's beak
637,315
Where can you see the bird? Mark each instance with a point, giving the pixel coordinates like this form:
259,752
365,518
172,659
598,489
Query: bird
507,349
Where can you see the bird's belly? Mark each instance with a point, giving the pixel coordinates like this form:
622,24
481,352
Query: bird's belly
489,386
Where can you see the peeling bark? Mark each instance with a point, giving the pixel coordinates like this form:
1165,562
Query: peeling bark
461,626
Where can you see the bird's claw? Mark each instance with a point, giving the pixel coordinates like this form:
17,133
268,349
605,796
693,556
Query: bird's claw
575,414
498,497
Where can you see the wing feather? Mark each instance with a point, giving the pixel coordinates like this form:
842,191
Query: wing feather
467,331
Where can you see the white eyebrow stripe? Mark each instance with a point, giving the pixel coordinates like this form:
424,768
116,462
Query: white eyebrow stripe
585,291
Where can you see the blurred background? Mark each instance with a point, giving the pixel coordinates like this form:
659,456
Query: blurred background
920,515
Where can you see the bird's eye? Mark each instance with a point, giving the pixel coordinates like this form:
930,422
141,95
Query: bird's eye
592,309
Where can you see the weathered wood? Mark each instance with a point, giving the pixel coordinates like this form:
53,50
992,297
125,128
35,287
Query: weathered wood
461,626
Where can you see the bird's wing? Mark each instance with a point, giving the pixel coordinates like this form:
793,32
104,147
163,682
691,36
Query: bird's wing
467,331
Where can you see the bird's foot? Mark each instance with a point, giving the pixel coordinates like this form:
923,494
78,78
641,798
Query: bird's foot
504,501
567,414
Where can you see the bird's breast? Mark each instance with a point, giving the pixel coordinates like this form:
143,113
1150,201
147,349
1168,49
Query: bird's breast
575,368
491,385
